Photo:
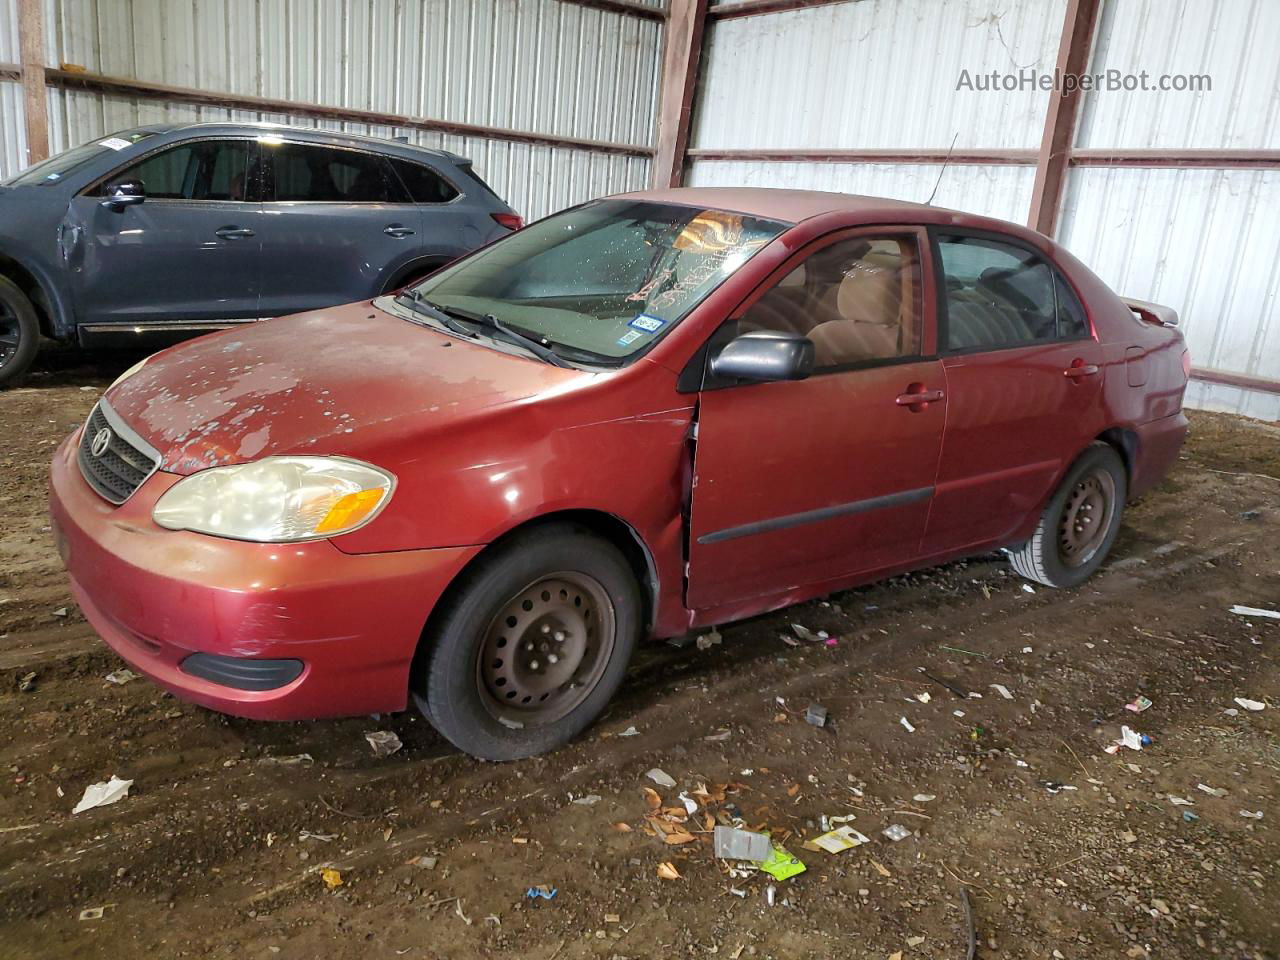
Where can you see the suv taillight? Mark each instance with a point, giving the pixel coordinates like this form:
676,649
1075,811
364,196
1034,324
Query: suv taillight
512,221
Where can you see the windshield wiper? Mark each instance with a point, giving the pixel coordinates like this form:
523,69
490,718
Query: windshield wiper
489,321
420,304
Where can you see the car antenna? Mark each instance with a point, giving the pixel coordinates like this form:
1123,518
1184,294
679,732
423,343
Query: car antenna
946,160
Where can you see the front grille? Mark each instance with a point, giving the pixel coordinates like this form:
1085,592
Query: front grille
119,468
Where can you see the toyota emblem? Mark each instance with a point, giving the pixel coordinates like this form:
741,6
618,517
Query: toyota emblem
101,440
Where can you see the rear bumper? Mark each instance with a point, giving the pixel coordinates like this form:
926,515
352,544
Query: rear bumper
1159,443
159,596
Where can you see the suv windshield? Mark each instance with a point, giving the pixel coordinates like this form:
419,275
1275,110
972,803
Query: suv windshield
57,167
608,278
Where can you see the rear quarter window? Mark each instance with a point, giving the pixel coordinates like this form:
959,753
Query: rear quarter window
424,184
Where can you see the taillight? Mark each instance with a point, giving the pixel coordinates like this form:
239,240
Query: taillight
1186,364
512,221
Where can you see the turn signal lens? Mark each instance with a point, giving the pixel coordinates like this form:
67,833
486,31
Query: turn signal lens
350,511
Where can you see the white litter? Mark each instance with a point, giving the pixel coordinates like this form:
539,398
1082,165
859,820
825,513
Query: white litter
102,794
590,800
1211,791
690,805
923,697
923,797
120,677
1028,588
804,633
660,777
1251,814
957,713
383,742
1001,689
907,725
630,732
1181,801
1256,612
1026,650
709,640
1248,704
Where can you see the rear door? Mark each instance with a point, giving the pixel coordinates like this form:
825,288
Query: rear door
189,252
338,224
1024,385
809,482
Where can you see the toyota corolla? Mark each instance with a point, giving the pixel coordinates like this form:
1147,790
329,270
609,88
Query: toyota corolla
641,416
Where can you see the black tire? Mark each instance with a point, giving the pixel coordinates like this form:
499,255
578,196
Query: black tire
412,276
1079,524
488,677
19,332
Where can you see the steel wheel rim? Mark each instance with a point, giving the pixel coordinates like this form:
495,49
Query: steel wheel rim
546,649
1086,517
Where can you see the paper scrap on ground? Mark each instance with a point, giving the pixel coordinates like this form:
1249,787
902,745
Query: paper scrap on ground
101,794
840,839
660,777
1001,689
120,677
383,742
906,724
1250,704
1256,612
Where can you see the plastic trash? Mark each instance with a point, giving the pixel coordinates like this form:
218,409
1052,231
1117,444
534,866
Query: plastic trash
896,832
332,878
590,800
1138,704
1001,689
1254,705
781,865
383,742
102,794
709,640
542,892
660,777
120,677
816,715
1251,814
1255,612
840,839
906,725
732,843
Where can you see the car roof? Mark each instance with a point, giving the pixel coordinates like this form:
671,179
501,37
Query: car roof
316,134
793,206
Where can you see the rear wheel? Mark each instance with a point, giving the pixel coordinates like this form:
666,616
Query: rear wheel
531,645
1079,524
19,332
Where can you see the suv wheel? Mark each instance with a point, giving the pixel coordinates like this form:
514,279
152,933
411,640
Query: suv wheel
531,645
19,332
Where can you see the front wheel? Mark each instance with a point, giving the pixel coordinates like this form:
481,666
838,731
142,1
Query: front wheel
19,332
1080,523
529,647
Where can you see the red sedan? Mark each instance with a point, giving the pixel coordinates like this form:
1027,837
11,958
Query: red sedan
638,417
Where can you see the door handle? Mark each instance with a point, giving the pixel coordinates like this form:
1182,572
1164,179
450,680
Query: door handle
1079,370
397,230
233,233
917,397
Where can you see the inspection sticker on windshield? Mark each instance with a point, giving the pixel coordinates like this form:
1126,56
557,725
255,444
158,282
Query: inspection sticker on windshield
115,143
647,323
630,337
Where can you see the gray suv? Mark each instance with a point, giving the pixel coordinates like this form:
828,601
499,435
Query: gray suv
180,229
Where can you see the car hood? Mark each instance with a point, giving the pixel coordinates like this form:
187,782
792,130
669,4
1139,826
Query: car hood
344,380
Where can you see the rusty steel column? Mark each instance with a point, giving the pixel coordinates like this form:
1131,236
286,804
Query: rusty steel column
1060,119
682,49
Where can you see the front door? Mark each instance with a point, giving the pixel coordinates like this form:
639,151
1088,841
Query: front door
339,224
811,482
188,252
1024,385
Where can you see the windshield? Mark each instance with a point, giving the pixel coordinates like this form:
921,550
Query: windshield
57,167
608,278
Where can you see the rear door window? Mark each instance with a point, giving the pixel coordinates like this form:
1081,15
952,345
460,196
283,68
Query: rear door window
1003,295
312,173
423,183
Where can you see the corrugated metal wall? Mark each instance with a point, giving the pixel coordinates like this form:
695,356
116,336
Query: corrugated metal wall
879,74
535,65
13,135
1206,242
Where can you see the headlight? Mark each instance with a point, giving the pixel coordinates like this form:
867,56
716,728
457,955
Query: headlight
277,499
130,372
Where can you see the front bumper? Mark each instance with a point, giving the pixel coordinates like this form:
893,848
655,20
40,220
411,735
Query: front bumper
159,596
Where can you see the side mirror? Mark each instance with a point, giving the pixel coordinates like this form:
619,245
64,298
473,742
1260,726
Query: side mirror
765,355
126,193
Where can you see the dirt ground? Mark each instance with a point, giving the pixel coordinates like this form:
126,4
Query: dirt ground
219,847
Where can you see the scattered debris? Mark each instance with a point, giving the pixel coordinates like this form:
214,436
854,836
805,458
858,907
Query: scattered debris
457,908
709,640
732,843
660,777
1211,791
1001,689
1181,801
590,800
120,677
719,737
881,868
332,878
1252,815
1138,704
60,612
1255,612
804,633
690,805
1129,738
924,798
914,941
781,865
383,742
770,894
896,832
542,891
424,862
1028,588
972,950
27,682
1190,817
924,697
630,732
667,871
906,725
816,715
1248,704
840,839
323,837
92,913
102,794
297,760
955,688
1056,786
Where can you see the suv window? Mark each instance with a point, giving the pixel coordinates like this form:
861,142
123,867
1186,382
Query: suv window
306,172
423,183
858,300
203,170
1002,295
